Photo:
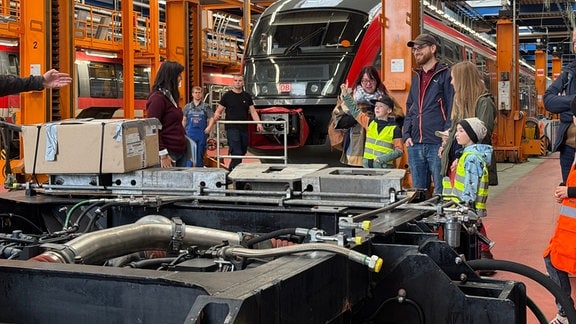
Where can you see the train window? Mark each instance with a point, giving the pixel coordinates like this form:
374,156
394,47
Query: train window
13,64
103,80
450,52
378,60
311,77
306,32
469,55
141,82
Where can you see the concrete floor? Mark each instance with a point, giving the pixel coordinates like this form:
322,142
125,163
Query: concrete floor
522,215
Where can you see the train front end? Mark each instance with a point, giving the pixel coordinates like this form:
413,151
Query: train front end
295,61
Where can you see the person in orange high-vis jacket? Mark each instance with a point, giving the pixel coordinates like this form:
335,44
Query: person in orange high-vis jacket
560,255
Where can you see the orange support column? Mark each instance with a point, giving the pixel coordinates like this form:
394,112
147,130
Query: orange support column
510,120
540,79
154,38
556,66
64,61
178,48
129,25
194,42
35,60
400,22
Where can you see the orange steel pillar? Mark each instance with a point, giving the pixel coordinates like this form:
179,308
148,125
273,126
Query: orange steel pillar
64,62
556,67
35,106
35,59
401,21
154,39
176,45
183,32
129,24
510,120
540,79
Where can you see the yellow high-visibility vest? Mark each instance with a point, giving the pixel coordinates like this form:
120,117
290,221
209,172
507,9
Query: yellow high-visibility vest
455,192
378,143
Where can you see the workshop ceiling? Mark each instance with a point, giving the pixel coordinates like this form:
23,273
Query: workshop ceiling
545,23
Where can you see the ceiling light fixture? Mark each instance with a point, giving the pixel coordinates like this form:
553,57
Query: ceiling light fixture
101,54
9,42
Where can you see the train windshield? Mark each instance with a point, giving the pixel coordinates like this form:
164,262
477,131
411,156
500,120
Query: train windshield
302,53
305,32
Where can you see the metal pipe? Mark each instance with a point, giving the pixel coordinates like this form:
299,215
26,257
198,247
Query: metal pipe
374,262
363,216
431,208
290,202
145,235
344,195
247,192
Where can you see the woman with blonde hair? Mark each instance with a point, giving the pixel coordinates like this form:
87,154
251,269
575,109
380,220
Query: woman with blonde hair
471,99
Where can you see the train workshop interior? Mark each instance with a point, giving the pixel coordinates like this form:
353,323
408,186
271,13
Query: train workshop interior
99,233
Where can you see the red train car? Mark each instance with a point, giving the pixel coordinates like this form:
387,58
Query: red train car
296,59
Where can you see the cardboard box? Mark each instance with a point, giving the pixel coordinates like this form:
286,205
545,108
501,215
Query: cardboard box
91,146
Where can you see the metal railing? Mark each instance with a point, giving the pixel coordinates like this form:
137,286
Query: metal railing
268,157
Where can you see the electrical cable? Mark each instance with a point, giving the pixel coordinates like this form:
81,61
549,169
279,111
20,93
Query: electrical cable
539,277
250,243
84,213
71,210
10,215
148,263
399,300
536,311
100,211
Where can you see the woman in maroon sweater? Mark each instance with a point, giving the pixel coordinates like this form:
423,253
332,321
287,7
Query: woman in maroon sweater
163,104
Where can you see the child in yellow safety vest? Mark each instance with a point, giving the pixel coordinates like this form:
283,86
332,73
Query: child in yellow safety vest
383,137
468,181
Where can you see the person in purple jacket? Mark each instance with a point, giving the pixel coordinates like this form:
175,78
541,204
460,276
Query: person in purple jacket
428,110
163,104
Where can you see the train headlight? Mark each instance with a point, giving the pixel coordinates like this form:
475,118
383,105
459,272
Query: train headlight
275,128
313,88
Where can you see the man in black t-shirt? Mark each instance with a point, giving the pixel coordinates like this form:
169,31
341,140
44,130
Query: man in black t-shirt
238,104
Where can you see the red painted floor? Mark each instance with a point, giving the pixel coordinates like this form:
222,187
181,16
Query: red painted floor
226,161
521,218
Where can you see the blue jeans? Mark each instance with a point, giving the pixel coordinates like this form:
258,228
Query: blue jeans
561,278
200,140
424,162
566,159
181,159
237,144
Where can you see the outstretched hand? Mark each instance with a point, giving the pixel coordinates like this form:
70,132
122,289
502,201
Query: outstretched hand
344,88
55,79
